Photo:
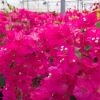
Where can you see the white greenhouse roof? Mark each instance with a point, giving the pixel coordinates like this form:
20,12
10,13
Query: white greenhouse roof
52,5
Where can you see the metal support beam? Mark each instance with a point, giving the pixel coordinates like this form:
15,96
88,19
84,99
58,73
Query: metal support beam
47,6
22,3
28,4
81,1
63,7
77,4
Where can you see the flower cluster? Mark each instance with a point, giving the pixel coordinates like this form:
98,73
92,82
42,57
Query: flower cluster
47,56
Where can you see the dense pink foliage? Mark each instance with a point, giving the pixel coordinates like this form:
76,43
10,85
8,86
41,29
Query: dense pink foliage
46,56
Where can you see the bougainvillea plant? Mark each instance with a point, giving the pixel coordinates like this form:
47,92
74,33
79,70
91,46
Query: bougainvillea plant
47,56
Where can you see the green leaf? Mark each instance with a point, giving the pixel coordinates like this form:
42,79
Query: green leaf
36,81
72,97
86,48
12,64
2,81
2,35
51,60
98,24
78,54
83,30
